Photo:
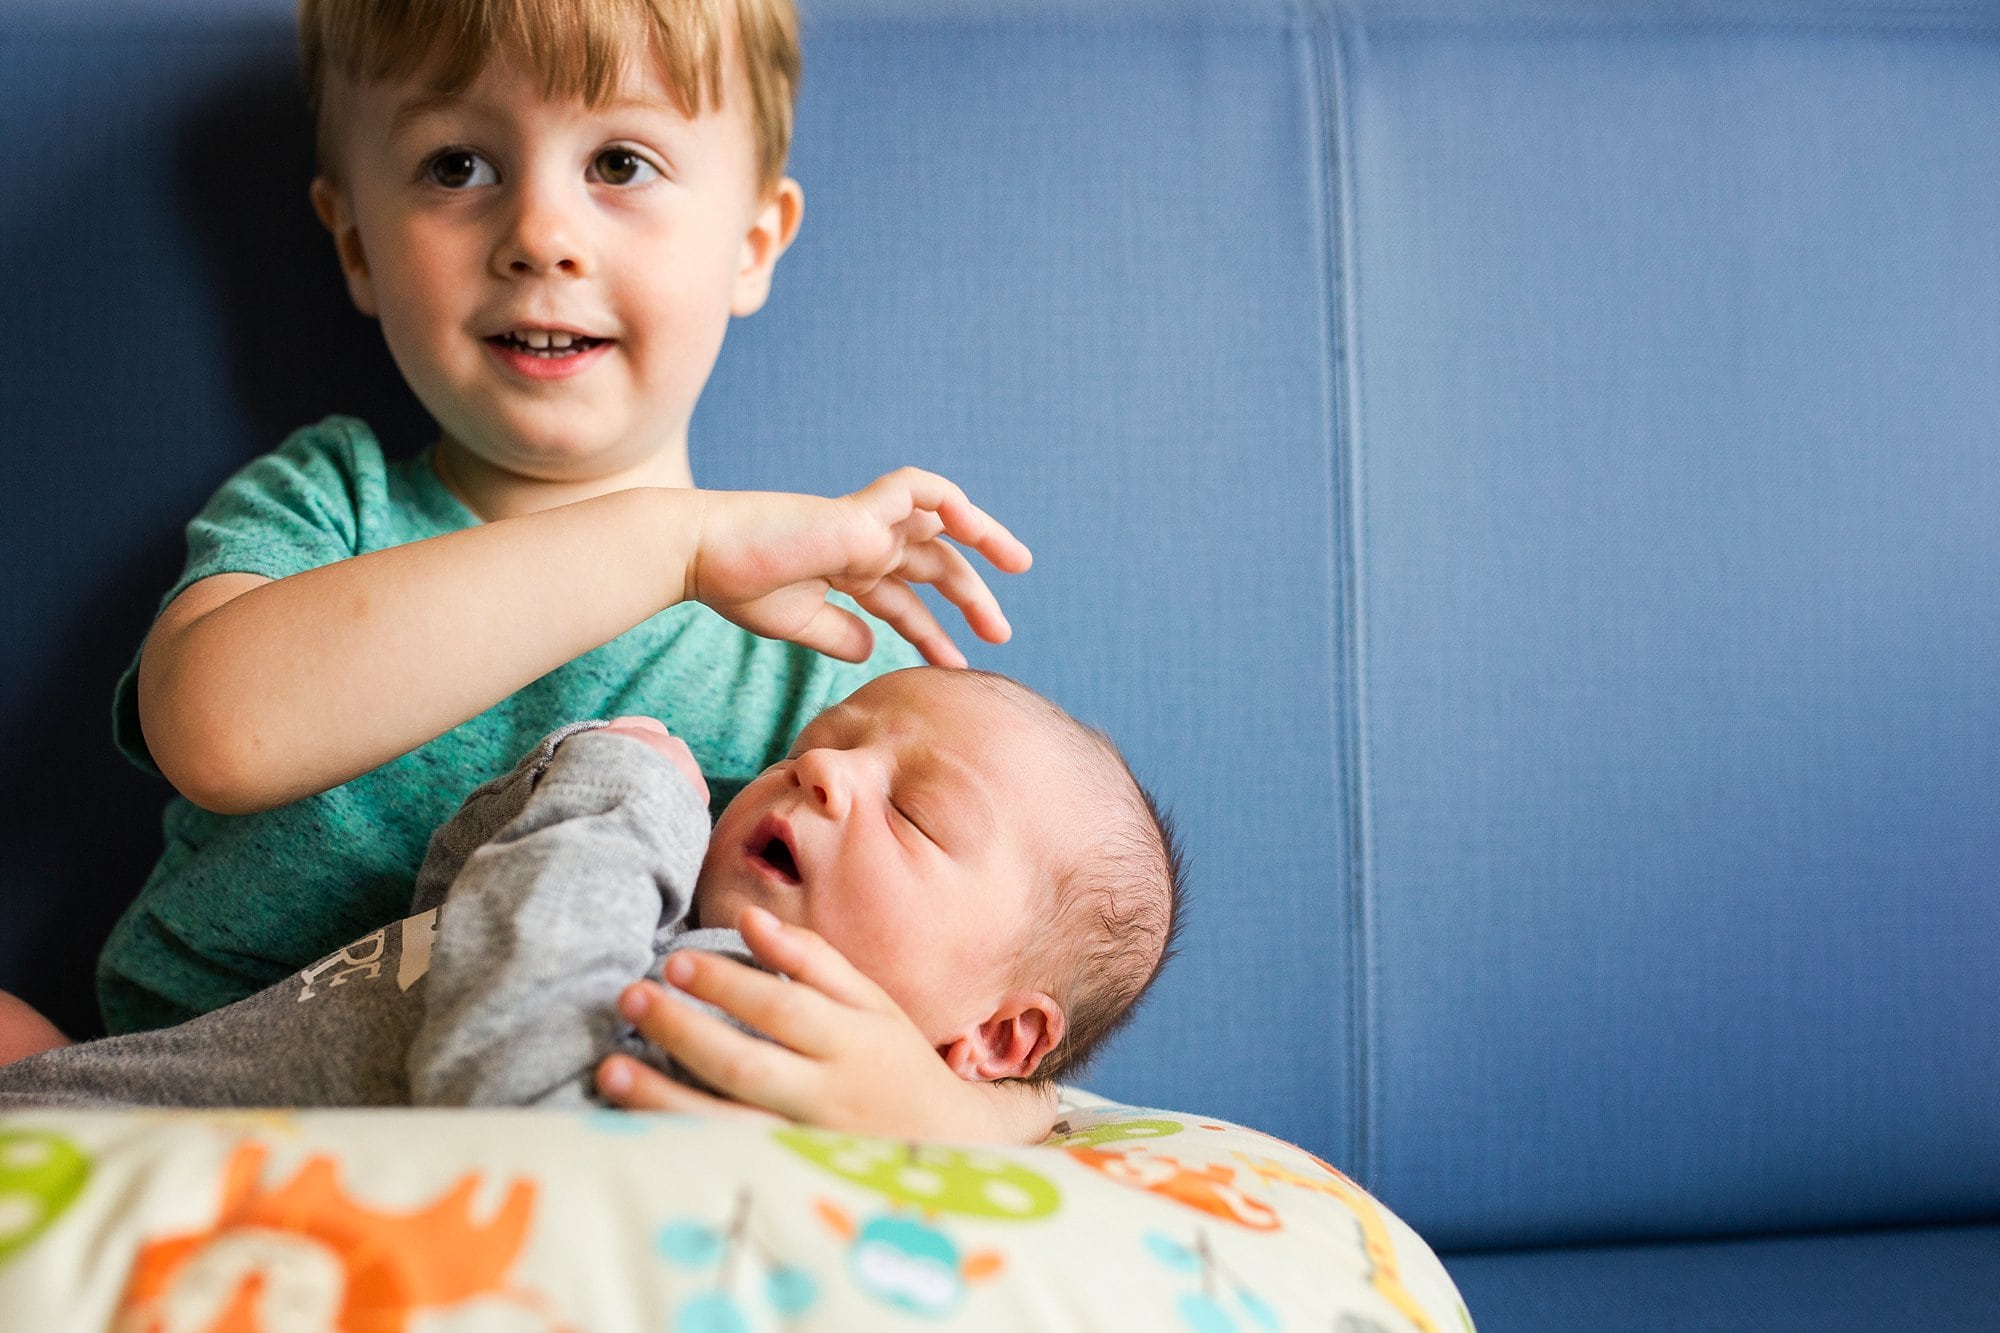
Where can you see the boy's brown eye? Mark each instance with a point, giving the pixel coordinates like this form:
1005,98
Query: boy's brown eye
458,169
621,166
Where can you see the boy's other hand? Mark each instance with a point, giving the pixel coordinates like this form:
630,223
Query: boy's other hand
653,733
843,1055
766,561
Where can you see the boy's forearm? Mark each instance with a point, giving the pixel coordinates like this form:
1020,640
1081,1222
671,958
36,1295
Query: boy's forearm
301,684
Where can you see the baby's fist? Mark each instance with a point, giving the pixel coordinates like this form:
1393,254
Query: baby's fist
653,733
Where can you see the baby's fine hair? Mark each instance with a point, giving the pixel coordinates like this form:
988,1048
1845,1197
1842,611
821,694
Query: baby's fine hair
577,47
1115,909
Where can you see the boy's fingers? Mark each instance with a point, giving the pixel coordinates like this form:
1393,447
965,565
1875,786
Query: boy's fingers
945,568
748,1069
897,604
913,488
891,497
794,1015
921,525
737,1065
836,632
806,958
967,523
626,1083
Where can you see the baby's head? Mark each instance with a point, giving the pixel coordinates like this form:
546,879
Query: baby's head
986,859
554,208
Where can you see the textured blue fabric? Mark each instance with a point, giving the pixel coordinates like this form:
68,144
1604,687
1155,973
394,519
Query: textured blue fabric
1939,1280
1520,478
1674,419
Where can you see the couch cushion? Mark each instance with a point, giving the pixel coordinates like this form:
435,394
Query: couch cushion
1674,438
1942,1281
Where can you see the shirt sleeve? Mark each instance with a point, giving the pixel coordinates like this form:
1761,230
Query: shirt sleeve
296,508
549,920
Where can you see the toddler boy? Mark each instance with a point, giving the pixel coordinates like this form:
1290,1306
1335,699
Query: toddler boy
553,209
987,861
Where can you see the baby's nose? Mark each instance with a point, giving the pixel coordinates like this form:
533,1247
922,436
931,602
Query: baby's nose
825,780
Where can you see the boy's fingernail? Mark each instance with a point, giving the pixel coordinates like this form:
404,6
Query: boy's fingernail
760,917
614,1077
633,1003
680,969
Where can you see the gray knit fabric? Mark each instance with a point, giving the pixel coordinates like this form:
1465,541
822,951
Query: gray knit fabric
550,890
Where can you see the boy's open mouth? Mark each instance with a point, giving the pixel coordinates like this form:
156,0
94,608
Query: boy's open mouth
549,344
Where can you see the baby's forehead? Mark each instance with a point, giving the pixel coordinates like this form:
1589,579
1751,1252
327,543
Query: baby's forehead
934,701
969,729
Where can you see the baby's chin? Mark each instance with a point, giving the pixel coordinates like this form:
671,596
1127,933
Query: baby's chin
721,908
698,909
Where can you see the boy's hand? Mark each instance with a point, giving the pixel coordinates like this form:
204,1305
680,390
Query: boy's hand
766,561
652,732
844,1056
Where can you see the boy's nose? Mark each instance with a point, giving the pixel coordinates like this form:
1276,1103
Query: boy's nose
541,238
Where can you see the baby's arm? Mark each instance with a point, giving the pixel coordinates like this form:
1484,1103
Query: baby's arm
551,917
849,1058
255,692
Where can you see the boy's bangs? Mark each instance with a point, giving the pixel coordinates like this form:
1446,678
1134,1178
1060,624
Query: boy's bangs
577,47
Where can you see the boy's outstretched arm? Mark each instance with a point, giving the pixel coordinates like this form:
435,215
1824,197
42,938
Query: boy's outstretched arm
255,692
843,1055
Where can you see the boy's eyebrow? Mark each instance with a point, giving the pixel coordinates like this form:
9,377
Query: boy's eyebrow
416,109
426,104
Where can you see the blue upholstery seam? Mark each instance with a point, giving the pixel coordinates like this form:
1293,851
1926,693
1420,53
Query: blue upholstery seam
1353,529
1327,89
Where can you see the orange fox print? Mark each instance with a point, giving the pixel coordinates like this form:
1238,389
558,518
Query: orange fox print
306,1255
1210,1188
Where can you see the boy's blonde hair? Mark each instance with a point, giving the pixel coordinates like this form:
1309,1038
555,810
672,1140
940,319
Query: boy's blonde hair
578,47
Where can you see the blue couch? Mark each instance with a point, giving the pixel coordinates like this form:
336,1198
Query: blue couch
1522,479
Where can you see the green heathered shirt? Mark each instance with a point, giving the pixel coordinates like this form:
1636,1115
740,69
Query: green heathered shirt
238,901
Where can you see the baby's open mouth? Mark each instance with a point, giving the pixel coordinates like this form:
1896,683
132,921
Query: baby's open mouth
547,343
779,857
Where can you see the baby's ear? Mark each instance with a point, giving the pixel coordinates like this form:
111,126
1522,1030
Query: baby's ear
1022,1029
771,232
330,202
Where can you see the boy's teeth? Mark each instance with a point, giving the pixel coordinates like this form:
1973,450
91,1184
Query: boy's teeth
543,339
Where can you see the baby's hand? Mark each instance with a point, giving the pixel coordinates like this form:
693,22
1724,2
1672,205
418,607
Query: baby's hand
653,733
844,1056
766,561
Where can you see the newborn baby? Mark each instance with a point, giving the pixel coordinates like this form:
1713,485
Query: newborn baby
986,859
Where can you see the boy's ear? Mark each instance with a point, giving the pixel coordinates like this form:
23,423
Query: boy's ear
771,232
1010,1042
330,202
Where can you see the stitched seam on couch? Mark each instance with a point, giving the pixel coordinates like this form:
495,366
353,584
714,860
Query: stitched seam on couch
1325,86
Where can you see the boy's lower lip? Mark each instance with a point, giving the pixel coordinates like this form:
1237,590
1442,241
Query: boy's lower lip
520,361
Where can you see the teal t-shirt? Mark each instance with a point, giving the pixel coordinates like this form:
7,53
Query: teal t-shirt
238,901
